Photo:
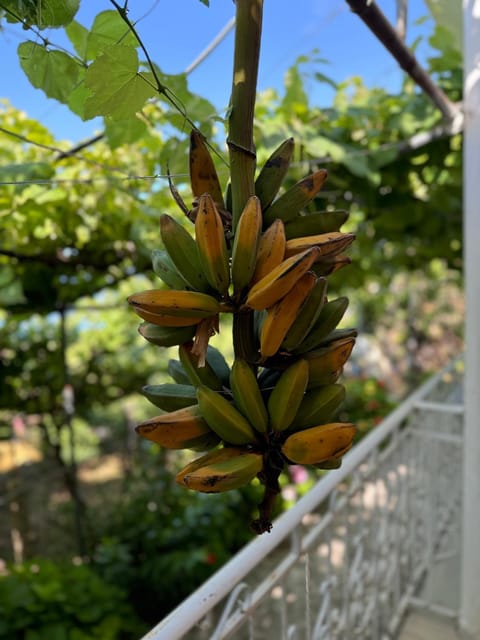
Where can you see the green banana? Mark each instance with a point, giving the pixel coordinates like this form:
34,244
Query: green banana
224,419
328,265
166,336
318,406
247,395
221,470
177,372
166,270
181,429
274,170
287,395
307,316
182,249
219,365
170,396
198,375
337,334
288,205
330,315
312,224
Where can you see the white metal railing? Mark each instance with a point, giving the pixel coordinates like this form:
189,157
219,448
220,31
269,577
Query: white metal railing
347,560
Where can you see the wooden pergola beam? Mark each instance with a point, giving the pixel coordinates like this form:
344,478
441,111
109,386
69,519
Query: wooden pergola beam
376,21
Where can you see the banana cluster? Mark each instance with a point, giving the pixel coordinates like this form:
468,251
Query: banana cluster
277,403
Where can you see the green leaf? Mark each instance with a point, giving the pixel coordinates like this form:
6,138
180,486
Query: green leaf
42,13
26,171
205,2
78,34
118,90
55,72
108,29
120,132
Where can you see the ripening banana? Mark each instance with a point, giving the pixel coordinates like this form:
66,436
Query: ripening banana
271,250
176,303
330,244
330,315
166,270
312,224
165,320
247,395
318,406
245,244
326,364
282,315
211,244
271,176
197,375
203,175
288,205
287,395
221,470
223,418
182,249
181,429
320,443
166,336
307,315
170,396
274,286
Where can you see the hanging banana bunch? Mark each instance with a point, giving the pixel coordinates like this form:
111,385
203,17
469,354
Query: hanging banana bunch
276,404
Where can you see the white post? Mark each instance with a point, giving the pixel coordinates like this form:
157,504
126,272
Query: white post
470,583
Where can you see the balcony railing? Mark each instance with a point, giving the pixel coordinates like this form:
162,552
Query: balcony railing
362,546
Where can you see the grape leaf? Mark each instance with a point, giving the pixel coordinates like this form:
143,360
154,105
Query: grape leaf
78,34
117,89
43,13
55,72
108,29
120,132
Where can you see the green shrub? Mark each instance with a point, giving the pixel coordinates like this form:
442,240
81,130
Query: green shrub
40,600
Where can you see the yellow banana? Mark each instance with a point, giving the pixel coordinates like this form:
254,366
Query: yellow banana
203,175
287,395
267,291
271,250
166,336
319,444
245,244
223,418
182,250
330,244
212,248
273,172
247,396
181,429
281,316
198,375
221,470
307,315
176,303
326,364
287,206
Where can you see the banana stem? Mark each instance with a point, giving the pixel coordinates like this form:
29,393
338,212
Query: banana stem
242,103
270,475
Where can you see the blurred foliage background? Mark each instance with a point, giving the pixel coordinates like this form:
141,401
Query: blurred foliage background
91,515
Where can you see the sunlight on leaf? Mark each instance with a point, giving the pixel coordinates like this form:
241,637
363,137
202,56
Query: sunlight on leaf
118,89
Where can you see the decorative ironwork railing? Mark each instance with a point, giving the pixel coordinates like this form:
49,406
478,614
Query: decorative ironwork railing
347,560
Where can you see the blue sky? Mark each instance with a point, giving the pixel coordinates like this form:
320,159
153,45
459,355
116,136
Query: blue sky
176,31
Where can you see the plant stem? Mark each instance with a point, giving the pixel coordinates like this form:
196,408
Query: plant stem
242,103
